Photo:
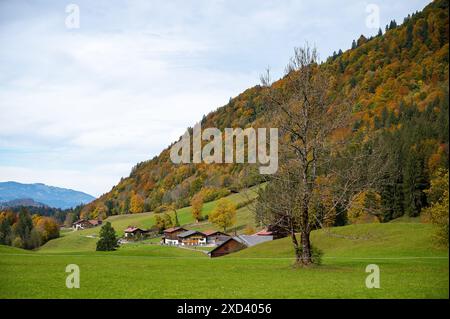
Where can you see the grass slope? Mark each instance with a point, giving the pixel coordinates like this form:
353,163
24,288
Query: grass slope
390,240
265,271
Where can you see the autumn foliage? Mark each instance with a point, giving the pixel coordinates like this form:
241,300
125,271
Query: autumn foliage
397,82
224,214
25,231
438,212
197,205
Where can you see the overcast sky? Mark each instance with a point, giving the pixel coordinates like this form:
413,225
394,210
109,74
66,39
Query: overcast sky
80,106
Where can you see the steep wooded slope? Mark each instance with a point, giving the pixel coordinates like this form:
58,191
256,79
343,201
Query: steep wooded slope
399,81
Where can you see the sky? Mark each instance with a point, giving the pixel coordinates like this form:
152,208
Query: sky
83,100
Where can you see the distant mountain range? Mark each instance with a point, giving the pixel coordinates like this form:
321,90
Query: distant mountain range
16,194
29,202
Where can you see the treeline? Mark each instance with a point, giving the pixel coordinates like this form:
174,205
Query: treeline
417,144
23,230
414,145
62,216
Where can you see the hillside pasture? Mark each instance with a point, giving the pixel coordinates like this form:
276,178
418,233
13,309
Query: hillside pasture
411,266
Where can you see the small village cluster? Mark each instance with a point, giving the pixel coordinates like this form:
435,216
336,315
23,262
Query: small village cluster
85,223
221,242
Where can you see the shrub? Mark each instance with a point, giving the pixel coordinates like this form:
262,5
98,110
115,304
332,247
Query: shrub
17,242
437,213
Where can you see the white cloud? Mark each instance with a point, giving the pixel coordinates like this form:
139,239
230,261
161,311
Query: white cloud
78,108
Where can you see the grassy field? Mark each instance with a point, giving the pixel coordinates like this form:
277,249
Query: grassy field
411,266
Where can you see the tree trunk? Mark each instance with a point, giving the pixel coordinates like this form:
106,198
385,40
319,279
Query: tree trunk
297,249
306,257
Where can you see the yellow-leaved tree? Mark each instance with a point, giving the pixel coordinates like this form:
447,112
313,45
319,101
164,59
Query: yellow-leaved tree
197,206
437,213
47,228
224,214
365,208
100,211
136,204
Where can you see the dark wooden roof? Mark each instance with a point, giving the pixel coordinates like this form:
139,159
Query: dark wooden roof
190,233
173,229
214,232
226,241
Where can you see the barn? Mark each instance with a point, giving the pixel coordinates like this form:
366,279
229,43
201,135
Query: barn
230,245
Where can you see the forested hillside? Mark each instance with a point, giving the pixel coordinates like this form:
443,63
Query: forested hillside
398,82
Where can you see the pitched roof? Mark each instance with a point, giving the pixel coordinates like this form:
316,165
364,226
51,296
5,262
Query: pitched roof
252,240
80,221
131,229
92,222
172,229
264,232
189,233
226,241
212,232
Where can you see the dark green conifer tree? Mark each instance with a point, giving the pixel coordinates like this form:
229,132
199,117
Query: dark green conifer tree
108,240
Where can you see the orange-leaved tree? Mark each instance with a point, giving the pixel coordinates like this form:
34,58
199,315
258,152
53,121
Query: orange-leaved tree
197,206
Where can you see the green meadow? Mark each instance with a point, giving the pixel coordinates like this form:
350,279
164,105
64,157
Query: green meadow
411,266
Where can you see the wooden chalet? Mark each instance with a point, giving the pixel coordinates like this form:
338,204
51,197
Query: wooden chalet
84,224
133,232
192,238
171,235
94,222
215,237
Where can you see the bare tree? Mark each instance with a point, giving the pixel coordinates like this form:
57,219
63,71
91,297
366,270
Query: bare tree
319,172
